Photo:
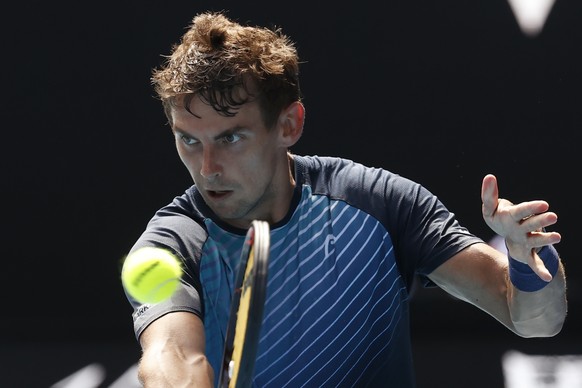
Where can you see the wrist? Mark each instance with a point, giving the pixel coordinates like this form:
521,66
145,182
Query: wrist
524,278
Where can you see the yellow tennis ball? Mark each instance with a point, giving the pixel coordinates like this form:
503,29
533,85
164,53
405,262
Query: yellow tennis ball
151,275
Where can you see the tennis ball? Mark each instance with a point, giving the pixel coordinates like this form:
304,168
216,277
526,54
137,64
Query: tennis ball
151,275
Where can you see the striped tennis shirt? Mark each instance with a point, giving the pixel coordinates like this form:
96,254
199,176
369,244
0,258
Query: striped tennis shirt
341,266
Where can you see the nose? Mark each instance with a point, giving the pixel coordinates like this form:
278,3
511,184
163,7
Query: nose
210,168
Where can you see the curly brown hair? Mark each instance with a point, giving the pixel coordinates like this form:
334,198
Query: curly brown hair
218,58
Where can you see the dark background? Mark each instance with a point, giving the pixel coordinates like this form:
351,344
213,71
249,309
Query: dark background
442,92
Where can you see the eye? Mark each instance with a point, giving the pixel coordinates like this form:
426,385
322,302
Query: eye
231,138
188,140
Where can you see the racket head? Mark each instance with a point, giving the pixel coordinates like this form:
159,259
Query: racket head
246,310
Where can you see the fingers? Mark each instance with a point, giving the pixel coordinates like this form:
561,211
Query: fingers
537,222
522,212
531,235
537,265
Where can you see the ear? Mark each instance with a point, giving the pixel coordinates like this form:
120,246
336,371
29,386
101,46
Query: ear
290,123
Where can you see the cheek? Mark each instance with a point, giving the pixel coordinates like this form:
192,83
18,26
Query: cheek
181,154
260,168
187,159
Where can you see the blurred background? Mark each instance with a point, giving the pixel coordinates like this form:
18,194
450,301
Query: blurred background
442,92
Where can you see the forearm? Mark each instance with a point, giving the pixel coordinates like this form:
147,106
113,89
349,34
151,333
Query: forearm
171,368
479,275
540,313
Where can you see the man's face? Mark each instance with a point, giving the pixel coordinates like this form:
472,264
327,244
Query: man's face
238,165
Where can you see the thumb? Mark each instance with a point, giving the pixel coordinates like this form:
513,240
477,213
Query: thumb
489,195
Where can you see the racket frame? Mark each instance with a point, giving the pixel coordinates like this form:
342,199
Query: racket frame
257,243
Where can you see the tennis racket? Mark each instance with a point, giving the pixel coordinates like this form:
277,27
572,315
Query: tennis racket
246,310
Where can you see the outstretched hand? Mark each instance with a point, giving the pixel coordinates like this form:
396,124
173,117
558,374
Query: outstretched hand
521,225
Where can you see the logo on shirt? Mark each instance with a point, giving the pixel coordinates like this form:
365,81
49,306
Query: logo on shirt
141,310
329,244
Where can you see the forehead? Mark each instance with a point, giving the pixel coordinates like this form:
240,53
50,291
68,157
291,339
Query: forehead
199,112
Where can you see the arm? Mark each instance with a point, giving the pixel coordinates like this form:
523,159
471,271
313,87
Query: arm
479,273
173,353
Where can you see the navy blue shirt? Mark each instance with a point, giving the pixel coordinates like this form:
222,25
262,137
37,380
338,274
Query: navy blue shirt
341,268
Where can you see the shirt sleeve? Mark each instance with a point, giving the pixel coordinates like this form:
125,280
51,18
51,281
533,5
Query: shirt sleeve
424,232
175,229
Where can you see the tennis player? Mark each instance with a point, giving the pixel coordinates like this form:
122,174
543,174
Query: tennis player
347,240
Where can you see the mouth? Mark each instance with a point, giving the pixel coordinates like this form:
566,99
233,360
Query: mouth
218,194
